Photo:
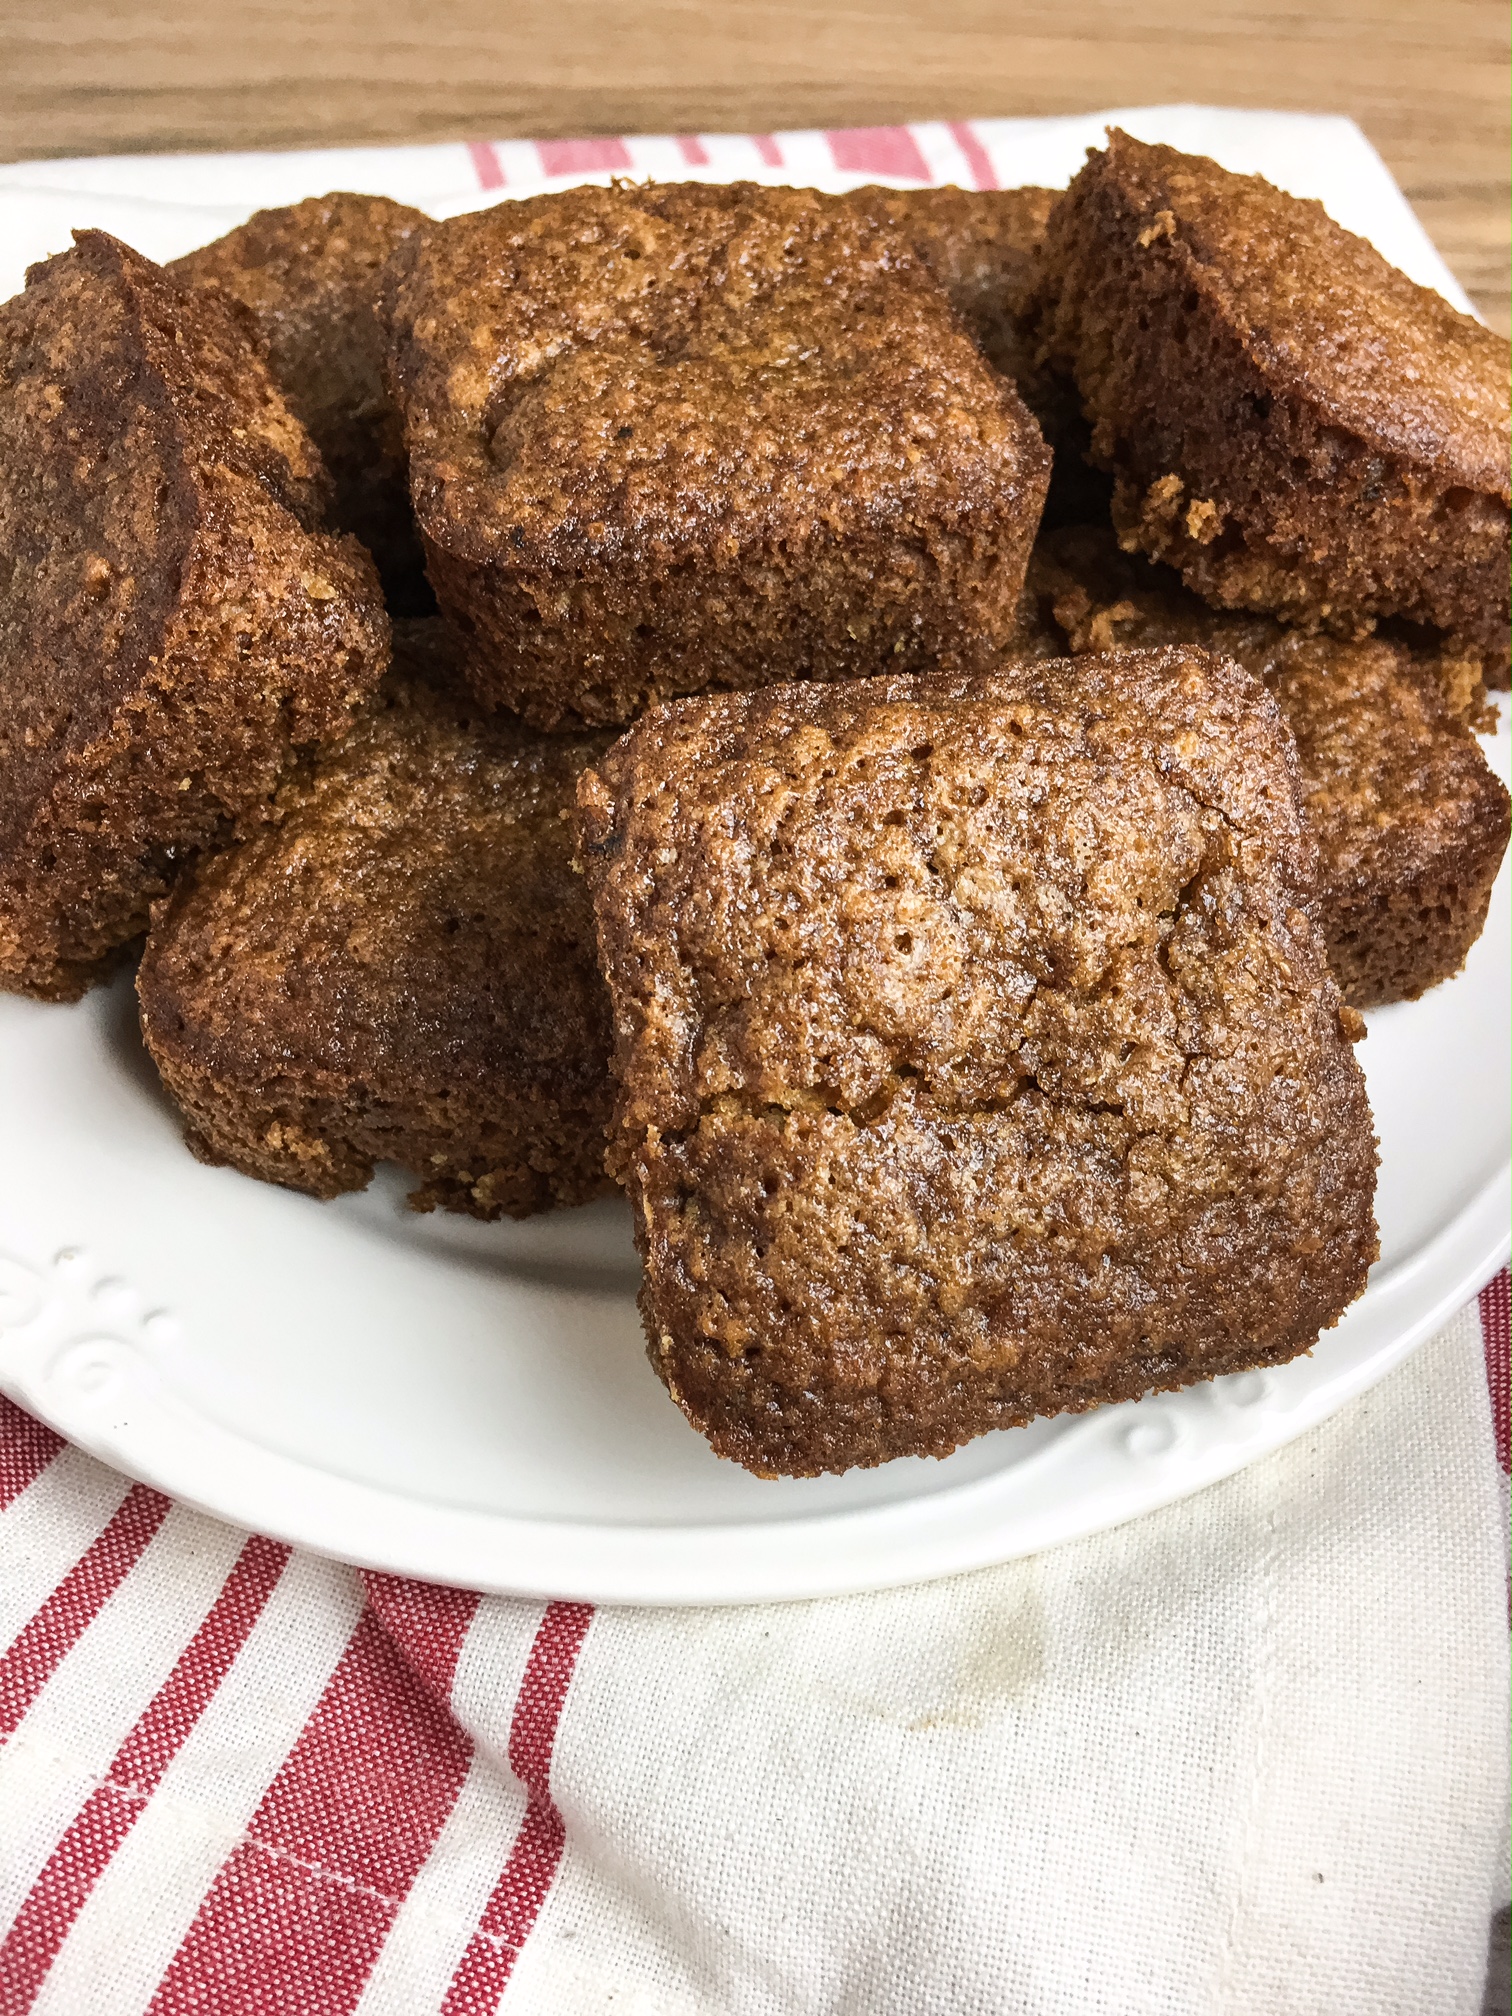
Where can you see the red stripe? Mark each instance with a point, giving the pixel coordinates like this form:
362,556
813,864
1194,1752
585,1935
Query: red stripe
428,1624
485,1968
301,1908
78,1599
767,149
110,1812
977,159
487,166
26,1449
582,157
58,1895
878,150
1494,1309
692,150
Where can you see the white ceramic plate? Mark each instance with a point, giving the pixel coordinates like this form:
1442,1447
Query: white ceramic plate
472,1403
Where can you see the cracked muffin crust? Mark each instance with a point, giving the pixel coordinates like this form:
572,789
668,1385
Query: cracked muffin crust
671,438
308,275
976,1057
174,625
1292,423
1410,820
401,968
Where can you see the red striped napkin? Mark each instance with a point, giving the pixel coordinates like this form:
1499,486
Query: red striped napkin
1244,1754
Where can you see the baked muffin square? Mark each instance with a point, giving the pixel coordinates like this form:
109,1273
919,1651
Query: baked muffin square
1410,820
174,623
308,275
1292,423
400,967
671,438
977,1057
982,245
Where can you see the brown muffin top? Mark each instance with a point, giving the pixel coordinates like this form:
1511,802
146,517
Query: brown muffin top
976,1058
980,244
1320,311
1384,757
121,393
818,892
610,377
309,273
332,942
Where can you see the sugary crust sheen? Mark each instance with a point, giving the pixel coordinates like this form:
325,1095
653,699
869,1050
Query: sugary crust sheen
309,275
982,245
1292,423
401,968
672,438
172,624
1410,820
977,1060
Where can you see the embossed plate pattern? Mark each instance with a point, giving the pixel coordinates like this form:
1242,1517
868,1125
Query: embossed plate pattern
472,1404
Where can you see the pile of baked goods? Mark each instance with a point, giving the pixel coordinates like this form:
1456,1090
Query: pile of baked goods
900,728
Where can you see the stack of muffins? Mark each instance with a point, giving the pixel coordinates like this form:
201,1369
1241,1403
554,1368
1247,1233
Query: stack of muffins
900,728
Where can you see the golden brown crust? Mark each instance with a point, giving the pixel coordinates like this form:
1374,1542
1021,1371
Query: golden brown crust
670,438
982,245
1410,821
308,275
399,968
976,1059
1293,424
172,624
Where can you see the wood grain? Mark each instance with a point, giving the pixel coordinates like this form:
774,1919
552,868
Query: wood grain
1427,79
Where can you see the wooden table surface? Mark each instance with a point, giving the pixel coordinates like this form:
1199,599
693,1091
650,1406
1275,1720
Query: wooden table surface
1427,79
